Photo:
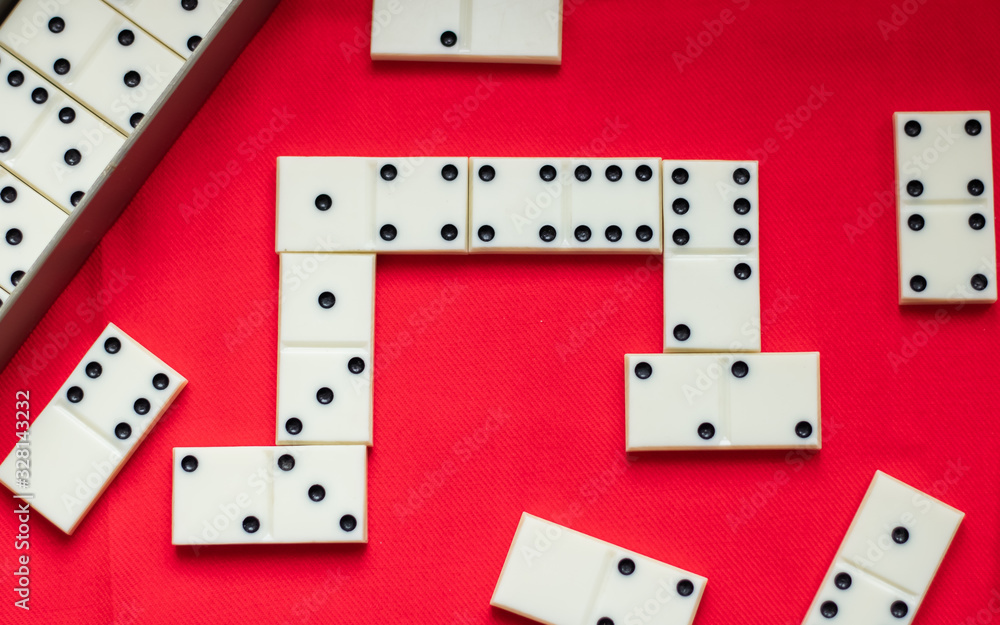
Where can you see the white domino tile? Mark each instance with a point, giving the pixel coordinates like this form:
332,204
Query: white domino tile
508,31
722,401
564,205
421,206
180,24
944,180
95,54
28,222
558,576
888,559
325,338
236,495
711,273
80,441
48,139
360,204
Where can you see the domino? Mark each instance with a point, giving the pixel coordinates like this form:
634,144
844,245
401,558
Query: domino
565,205
356,204
944,207
78,443
888,559
256,495
503,31
711,270
558,576
95,54
722,401
28,222
49,140
181,24
325,338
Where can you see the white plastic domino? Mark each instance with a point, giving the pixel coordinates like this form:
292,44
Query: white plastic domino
722,401
358,204
180,24
229,495
559,576
559,204
944,193
888,559
325,337
95,54
711,271
80,441
49,140
510,31
27,222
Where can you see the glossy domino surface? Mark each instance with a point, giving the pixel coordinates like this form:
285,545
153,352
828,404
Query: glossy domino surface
891,553
325,338
95,54
722,401
255,495
711,268
506,31
558,576
945,212
80,441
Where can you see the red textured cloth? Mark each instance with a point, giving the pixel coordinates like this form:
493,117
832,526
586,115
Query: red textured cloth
499,379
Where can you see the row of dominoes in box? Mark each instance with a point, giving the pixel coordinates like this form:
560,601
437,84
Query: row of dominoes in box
112,400
881,572
78,77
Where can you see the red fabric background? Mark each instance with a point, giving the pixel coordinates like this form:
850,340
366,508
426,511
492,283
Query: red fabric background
499,380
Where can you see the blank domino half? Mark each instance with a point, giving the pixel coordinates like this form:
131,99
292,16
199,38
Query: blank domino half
558,576
325,338
722,401
360,204
711,268
230,495
506,31
565,205
944,202
80,441
888,559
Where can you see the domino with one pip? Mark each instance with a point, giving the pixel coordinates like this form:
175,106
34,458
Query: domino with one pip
325,338
360,204
722,401
506,31
96,421
891,553
944,208
711,269
558,576
230,495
